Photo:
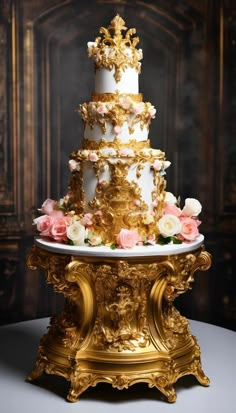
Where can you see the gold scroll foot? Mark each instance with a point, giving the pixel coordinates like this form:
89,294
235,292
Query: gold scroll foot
201,377
37,371
80,383
164,386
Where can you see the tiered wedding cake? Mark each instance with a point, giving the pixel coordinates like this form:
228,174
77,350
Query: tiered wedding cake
117,189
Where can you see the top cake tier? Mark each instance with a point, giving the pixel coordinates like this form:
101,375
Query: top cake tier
116,59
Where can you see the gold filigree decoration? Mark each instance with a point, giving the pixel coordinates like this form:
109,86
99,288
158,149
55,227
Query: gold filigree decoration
121,322
119,200
114,97
117,114
121,205
115,51
76,191
117,144
108,152
121,326
178,281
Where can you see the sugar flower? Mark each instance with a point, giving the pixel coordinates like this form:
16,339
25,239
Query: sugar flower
192,207
169,225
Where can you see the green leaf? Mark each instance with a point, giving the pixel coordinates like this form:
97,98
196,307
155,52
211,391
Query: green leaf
176,240
70,242
113,246
163,240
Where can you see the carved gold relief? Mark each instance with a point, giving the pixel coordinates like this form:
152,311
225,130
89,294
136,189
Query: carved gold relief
117,114
116,144
114,50
118,311
114,97
118,200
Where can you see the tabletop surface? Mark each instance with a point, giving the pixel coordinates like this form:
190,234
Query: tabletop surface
102,251
18,349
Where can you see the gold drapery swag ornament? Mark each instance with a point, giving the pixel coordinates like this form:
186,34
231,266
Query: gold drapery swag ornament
119,324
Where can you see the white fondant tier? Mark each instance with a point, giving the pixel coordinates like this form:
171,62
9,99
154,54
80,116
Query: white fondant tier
105,81
96,134
144,179
102,251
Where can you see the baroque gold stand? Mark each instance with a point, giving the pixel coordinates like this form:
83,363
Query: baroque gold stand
119,324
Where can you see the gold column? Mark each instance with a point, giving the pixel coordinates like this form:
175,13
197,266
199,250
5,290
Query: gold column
119,324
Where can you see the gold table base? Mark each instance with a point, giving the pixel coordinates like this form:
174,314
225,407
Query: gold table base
119,324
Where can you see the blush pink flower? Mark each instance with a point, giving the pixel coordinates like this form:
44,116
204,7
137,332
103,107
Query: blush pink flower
157,165
59,228
57,213
127,152
117,129
173,210
44,224
87,220
48,206
189,228
127,238
102,109
93,157
138,108
125,102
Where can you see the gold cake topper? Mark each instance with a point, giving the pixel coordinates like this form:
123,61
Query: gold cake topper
115,50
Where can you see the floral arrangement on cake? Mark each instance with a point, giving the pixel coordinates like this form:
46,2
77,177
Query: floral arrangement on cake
59,222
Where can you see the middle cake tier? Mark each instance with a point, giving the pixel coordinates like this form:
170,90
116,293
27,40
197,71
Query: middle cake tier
116,115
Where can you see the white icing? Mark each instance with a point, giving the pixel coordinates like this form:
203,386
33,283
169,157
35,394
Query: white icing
96,134
89,182
145,181
106,83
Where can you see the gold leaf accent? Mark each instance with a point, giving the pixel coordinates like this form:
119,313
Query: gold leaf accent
98,113
116,144
114,97
115,50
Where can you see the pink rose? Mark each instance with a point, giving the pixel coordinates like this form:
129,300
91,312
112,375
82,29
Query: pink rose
87,220
93,157
127,238
157,165
48,206
102,109
173,210
137,108
59,227
124,102
44,224
117,129
57,213
127,152
189,228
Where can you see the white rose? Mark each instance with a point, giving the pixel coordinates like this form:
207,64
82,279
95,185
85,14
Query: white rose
73,165
76,233
170,198
192,207
169,225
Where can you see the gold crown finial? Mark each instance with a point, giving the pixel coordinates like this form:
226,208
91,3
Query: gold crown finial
115,50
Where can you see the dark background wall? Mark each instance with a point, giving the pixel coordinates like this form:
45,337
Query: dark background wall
188,73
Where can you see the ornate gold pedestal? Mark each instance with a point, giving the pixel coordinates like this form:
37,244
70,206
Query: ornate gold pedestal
119,324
